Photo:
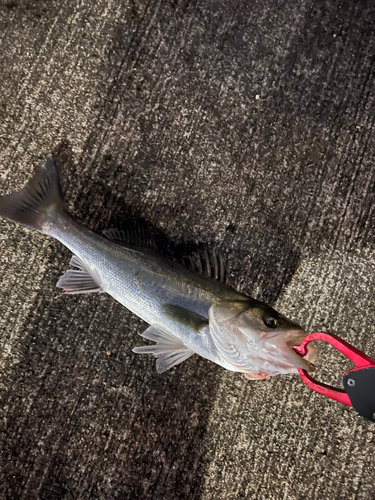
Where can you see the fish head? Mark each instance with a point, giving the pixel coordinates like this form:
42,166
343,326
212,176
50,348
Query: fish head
256,340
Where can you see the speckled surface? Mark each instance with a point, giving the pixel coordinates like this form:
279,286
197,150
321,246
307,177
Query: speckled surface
247,124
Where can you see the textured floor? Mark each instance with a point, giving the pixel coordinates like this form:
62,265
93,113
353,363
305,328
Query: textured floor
245,123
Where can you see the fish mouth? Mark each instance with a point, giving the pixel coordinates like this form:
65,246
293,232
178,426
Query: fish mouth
285,342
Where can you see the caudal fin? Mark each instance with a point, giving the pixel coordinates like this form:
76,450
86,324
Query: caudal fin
38,200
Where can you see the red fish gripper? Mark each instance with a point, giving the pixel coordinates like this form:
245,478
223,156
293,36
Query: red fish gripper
359,382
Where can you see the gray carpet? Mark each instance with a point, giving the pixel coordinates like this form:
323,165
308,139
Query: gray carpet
249,124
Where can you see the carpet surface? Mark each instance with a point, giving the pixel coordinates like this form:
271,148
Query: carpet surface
244,124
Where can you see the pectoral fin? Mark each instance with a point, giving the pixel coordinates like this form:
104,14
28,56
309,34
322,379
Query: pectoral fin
169,351
185,317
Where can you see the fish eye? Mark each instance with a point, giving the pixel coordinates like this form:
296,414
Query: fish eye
272,322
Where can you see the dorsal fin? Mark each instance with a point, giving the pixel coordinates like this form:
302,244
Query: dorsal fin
135,234
208,261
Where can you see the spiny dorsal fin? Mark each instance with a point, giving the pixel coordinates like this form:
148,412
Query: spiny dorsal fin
169,351
208,261
135,234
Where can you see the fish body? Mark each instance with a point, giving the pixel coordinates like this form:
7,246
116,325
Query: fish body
144,282
188,312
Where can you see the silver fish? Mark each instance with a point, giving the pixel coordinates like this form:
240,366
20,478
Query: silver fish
188,312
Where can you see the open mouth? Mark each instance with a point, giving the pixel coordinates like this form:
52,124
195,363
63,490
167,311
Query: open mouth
310,357
285,342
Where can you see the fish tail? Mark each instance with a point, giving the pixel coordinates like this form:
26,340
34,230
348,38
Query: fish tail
38,201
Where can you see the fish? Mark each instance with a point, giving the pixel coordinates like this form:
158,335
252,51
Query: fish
188,312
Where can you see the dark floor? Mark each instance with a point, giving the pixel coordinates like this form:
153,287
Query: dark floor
245,123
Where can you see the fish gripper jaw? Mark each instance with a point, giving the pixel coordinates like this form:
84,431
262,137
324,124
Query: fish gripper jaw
359,382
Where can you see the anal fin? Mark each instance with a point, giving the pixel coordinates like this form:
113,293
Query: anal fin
169,351
79,280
